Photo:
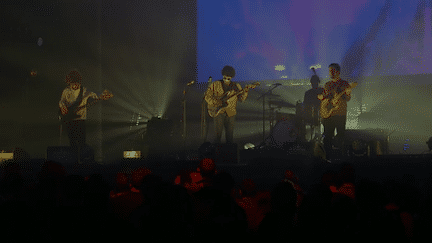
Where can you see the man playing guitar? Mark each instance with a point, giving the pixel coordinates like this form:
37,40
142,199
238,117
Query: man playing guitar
73,109
341,90
221,97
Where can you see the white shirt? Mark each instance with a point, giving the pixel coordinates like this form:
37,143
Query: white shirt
69,96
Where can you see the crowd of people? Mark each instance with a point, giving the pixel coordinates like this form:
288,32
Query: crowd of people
205,204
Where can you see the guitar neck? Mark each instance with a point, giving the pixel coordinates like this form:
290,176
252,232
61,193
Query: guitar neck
239,92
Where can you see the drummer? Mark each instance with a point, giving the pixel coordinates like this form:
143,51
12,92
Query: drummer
312,104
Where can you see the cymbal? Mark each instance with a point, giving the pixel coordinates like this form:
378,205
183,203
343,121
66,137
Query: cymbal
281,103
272,95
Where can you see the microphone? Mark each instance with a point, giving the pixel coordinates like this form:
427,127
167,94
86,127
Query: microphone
190,83
209,83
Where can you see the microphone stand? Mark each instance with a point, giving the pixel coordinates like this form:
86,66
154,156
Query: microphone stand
184,110
61,129
269,92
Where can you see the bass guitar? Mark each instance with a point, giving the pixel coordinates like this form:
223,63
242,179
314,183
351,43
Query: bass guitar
228,100
328,106
75,108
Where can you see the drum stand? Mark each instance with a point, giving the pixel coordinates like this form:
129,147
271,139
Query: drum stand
184,134
268,93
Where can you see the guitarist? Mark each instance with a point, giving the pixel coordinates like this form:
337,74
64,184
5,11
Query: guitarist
337,119
73,96
214,97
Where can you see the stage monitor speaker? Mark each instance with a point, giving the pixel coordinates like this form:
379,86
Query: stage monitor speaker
368,143
226,154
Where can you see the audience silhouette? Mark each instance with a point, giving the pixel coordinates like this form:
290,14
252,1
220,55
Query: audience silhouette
208,205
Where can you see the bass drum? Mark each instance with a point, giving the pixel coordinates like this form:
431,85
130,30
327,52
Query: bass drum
283,133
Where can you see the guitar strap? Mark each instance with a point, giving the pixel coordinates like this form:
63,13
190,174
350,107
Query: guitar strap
80,96
79,99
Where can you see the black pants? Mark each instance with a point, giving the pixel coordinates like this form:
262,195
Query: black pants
221,121
330,124
76,131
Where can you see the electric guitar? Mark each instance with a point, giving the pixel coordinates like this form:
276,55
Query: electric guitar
328,106
75,108
228,100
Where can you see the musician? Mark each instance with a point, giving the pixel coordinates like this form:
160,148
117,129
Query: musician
337,120
214,95
312,104
75,94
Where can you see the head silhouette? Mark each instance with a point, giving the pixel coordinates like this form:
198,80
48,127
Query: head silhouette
228,71
315,81
334,70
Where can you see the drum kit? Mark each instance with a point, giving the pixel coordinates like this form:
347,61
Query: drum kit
288,128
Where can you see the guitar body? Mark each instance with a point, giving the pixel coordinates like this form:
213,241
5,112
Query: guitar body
69,116
73,109
213,111
329,106
229,100
326,108
228,104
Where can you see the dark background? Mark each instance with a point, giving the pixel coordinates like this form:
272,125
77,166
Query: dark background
142,51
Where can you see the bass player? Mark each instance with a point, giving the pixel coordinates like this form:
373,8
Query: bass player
215,98
337,118
73,109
